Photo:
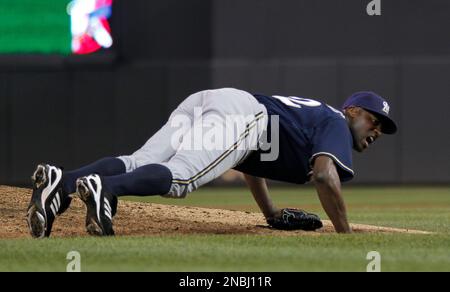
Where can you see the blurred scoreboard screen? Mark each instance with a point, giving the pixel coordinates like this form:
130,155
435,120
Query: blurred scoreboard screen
54,26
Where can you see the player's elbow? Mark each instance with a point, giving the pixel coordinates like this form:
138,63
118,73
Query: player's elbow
322,177
324,171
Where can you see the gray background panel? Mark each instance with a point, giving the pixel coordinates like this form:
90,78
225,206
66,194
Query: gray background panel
425,138
92,116
38,106
4,129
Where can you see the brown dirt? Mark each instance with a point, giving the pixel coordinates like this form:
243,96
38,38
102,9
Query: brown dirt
145,219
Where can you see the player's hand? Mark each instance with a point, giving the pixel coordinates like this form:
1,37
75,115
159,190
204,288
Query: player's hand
293,219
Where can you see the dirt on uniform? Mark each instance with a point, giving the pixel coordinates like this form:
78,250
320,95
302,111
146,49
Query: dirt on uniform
146,219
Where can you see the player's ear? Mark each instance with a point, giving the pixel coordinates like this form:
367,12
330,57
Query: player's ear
353,111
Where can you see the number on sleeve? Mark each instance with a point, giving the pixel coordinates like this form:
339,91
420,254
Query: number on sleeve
297,101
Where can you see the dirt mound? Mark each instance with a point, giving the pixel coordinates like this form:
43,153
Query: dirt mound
145,219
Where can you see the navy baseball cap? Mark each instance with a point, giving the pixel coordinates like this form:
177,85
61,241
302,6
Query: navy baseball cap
375,104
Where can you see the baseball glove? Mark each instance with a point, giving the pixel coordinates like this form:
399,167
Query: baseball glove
293,219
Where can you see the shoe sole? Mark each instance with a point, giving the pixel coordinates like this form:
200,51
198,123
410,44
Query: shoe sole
92,226
35,215
36,222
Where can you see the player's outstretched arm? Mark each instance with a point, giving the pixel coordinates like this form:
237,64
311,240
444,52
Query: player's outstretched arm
328,185
260,192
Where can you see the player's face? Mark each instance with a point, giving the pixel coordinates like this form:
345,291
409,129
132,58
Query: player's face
365,128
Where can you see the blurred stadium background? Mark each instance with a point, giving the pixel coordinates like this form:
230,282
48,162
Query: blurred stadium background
61,105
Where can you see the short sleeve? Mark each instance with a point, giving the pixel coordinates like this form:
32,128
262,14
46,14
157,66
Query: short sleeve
334,139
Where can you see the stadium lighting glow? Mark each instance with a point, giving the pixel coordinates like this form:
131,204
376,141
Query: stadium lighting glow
89,25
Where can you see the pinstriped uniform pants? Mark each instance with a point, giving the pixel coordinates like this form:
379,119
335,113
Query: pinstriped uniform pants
209,133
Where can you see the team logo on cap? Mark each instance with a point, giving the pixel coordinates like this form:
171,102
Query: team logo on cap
386,107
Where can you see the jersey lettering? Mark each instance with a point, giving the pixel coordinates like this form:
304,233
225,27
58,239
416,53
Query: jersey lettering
297,101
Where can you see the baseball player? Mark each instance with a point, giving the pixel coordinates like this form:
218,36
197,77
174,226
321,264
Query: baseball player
285,138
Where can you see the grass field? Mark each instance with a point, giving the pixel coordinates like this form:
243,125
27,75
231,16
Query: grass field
414,208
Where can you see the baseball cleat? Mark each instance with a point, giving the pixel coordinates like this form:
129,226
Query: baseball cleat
101,206
47,201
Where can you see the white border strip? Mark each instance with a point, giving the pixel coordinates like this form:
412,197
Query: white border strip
342,165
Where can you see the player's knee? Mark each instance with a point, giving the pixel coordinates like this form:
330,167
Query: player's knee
180,190
136,160
181,186
129,161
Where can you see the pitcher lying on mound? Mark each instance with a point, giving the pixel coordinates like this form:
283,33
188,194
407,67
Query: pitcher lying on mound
213,131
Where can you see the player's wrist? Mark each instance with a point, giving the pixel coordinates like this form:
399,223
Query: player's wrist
272,213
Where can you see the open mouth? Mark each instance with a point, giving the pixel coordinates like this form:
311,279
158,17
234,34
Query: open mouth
369,140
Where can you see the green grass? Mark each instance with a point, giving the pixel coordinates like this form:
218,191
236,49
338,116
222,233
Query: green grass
230,253
403,207
419,208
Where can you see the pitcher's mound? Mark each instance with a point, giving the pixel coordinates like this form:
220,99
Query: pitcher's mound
143,219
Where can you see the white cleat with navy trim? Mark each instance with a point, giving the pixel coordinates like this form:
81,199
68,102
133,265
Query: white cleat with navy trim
47,201
101,206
